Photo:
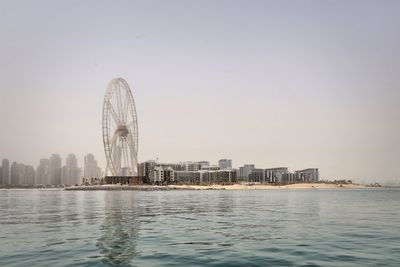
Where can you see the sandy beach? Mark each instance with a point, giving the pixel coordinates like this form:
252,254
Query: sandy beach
274,187
218,187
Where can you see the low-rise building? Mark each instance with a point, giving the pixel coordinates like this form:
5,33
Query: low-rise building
290,178
257,176
203,164
274,175
270,175
244,171
308,175
211,168
188,177
145,168
226,176
225,163
203,174
206,177
161,175
174,166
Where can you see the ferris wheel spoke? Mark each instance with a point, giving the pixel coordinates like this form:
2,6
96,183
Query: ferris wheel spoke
129,125
110,162
113,113
113,142
125,152
125,110
132,151
119,104
117,155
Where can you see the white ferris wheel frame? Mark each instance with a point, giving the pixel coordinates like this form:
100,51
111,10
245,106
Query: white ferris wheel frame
125,133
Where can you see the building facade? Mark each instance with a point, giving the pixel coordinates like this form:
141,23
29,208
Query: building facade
275,175
5,169
244,171
257,176
55,169
308,175
91,169
71,173
188,177
161,175
14,173
26,175
203,164
205,177
225,163
145,168
21,175
43,173
174,166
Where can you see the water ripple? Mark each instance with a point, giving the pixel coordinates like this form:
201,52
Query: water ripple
198,228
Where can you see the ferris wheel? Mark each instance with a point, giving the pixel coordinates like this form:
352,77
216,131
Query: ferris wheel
120,129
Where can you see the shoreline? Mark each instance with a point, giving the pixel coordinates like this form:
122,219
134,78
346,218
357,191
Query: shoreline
215,187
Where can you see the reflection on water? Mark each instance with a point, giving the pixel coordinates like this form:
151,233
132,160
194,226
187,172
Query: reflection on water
198,228
120,229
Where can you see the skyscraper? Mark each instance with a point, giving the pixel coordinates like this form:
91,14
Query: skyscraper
14,174
22,174
29,175
43,172
91,170
55,169
71,172
5,169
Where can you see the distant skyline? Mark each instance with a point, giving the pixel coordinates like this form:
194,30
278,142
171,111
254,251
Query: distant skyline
271,83
53,170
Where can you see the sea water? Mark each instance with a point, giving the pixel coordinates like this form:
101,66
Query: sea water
300,227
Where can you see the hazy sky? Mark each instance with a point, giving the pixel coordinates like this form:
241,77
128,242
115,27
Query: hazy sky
275,83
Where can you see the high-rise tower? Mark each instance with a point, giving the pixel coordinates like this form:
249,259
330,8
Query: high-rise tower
91,170
71,172
5,169
55,169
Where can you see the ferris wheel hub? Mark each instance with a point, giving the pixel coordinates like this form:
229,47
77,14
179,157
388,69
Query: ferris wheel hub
122,130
